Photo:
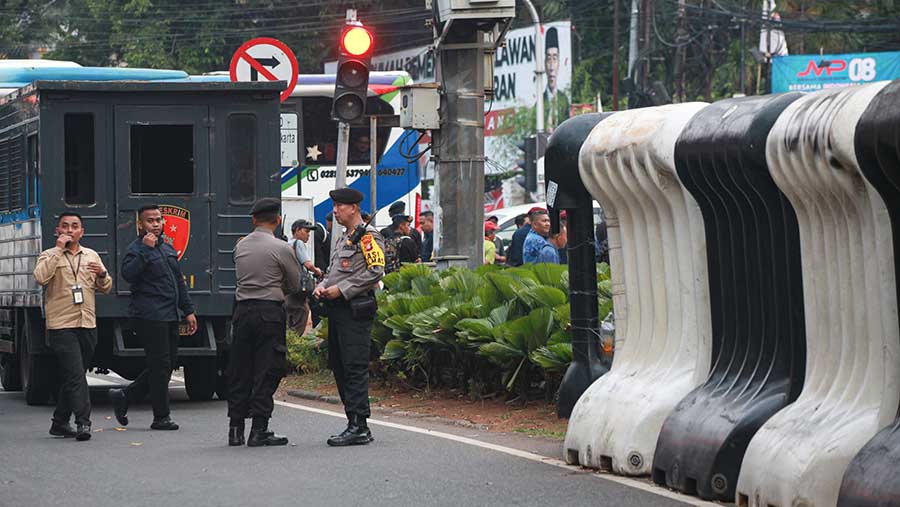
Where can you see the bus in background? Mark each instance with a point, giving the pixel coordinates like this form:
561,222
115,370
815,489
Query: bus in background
309,146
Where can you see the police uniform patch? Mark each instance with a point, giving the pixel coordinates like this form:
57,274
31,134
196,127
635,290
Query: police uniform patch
373,253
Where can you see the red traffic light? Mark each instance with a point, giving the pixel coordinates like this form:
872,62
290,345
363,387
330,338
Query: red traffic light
357,41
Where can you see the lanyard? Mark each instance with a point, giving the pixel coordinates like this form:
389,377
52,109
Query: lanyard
75,270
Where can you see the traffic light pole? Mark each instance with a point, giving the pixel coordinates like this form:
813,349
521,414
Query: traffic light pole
459,144
340,181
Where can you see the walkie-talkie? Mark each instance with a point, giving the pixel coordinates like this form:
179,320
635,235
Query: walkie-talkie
359,232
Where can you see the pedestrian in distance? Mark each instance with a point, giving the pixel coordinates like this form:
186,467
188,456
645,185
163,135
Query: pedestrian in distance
297,304
71,274
491,255
426,219
266,270
348,292
515,256
159,302
538,248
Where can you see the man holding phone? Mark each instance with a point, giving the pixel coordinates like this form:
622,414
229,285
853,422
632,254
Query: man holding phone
159,301
71,274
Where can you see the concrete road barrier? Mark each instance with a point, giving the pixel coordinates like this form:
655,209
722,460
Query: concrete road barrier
660,289
756,297
852,382
871,479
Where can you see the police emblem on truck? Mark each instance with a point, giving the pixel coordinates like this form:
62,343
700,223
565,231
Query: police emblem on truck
176,227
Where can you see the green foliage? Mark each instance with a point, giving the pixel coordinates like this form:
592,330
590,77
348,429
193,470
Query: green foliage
308,353
507,327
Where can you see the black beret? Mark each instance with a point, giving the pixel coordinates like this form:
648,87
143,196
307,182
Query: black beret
399,219
266,205
397,208
346,195
302,224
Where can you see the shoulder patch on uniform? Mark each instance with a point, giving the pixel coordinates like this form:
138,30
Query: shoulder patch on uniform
373,253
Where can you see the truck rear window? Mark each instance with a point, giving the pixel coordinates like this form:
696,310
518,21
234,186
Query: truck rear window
80,169
162,159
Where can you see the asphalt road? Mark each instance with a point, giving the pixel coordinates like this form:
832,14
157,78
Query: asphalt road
195,467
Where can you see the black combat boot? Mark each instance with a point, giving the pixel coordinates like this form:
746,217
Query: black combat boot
236,432
357,433
58,429
261,436
163,423
83,432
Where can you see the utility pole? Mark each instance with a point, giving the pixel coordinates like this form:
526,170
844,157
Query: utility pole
615,69
538,66
459,143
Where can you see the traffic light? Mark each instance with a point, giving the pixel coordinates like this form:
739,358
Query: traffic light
351,82
528,162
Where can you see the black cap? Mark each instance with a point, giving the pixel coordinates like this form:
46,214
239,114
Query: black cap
266,205
399,219
397,208
346,195
302,224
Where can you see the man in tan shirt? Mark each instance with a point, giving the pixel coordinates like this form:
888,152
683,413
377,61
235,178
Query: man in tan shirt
71,273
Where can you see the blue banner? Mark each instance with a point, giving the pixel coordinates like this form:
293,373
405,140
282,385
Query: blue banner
809,73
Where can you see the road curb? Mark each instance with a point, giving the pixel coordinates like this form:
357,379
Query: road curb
334,400
314,396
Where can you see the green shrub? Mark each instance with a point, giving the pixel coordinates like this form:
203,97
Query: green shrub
308,353
485,329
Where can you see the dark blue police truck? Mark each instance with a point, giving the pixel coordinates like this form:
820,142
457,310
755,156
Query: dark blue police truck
202,151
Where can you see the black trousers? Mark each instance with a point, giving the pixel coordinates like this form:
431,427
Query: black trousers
160,341
258,358
74,349
349,343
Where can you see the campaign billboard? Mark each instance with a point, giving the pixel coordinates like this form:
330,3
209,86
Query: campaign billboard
809,73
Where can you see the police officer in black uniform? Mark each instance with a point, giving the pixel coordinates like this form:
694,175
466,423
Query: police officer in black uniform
266,270
348,291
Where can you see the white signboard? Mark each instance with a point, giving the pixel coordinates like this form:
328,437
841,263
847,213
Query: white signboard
289,140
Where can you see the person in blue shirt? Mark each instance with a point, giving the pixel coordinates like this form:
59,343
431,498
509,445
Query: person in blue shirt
537,248
518,240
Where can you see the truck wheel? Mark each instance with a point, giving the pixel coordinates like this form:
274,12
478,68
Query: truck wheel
9,372
200,379
35,375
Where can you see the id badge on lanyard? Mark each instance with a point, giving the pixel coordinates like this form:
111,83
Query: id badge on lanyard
77,295
77,291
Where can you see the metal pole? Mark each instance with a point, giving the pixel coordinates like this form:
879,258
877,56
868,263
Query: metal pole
538,66
459,173
633,38
373,163
615,69
340,180
743,70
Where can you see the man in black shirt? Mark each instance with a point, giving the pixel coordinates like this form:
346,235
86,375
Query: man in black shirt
159,300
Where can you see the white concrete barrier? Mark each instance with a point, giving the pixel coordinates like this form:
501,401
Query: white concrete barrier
852,381
660,289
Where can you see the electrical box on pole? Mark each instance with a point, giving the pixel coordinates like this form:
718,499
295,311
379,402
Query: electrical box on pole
351,82
475,9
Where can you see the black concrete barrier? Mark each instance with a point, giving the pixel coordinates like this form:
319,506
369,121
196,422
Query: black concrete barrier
565,191
873,477
756,297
